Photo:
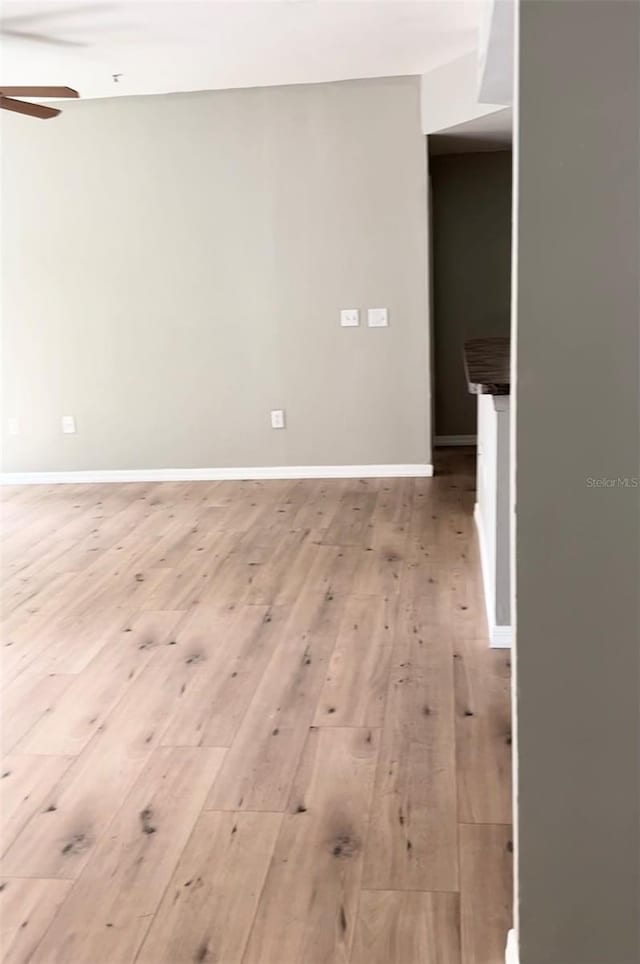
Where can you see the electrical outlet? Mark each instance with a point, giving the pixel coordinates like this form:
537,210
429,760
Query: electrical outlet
350,317
68,424
378,318
277,418
13,426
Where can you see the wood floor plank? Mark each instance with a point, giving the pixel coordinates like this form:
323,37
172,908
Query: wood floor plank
138,537
25,784
316,503
230,581
381,566
330,569
483,734
394,503
396,927
183,537
249,501
467,593
46,596
261,763
26,633
350,526
59,839
86,704
486,874
276,580
224,687
107,915
30,697
186,584
30,581
210,903
67,644
355,688
27,907
413,839
308,905
45,599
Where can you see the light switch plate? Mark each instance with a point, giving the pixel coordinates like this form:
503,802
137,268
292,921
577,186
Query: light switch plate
68,424
277,418
378,318
350,317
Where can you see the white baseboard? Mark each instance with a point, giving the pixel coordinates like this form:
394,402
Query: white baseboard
512,949
500,636
442,440
216,475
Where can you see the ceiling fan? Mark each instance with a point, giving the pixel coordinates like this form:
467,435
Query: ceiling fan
8,101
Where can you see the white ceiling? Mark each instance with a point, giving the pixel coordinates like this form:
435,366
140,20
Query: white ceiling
157,46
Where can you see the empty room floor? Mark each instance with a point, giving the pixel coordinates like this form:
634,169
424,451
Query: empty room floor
252,722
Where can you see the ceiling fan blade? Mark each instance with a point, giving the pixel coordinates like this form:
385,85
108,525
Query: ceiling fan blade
22,107
58,12
41,38
38,92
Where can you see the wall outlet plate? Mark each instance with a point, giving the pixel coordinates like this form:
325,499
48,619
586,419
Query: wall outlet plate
378,318
68,424
277,418
350,317
13,426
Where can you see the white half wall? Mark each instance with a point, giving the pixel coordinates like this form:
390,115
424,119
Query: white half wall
492,514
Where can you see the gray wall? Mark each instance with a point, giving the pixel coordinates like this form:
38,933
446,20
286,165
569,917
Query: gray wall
578,546
174,268
471,196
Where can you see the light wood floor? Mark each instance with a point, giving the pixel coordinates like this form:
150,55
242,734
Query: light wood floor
252,722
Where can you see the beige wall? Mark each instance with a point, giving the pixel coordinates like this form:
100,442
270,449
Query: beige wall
578,545
174,267
472,271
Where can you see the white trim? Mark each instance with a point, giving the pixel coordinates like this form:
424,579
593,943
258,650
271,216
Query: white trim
512,948
484,562
500,636
441,440
216,474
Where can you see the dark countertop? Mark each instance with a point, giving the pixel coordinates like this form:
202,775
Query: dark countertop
487,366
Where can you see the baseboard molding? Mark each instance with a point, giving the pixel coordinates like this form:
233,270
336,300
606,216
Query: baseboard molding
219,475
500,636
512,956
443,440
